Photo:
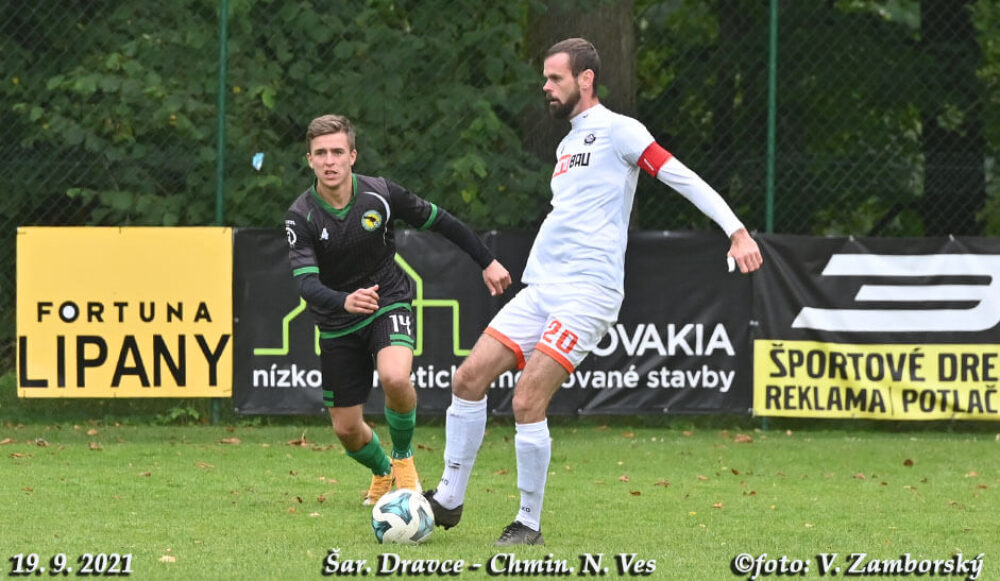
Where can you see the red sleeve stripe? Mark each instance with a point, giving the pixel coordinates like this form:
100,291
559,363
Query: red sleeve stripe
653,159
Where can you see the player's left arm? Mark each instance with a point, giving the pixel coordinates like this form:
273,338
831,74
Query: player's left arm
661,164
425,215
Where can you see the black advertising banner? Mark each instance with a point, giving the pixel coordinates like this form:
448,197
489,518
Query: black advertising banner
878,328
681,345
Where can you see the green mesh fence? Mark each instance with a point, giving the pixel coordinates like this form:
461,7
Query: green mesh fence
883,121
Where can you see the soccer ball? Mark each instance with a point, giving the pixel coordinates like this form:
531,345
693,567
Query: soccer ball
402,516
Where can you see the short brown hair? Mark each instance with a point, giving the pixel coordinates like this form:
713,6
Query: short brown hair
328,124
582,56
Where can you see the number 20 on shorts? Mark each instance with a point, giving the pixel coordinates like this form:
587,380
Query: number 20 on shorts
564,341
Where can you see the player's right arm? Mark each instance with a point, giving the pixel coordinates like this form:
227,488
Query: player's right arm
635,144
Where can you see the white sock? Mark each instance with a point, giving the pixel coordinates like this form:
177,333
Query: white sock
465,425
534,451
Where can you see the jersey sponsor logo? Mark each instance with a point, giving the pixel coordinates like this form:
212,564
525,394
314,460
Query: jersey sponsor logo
568,162
292,238
324,235
983,314
371,220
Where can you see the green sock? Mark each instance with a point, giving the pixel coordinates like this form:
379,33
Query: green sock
401,426
373,456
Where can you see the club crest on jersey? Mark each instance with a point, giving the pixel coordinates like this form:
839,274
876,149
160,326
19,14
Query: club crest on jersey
568,162
371,220
590,139
324,235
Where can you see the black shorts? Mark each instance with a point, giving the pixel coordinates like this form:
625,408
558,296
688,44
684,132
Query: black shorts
348,361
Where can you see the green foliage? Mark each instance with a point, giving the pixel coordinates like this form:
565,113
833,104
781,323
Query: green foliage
181,415
127,114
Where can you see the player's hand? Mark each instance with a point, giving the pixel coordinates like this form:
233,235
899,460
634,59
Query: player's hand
744,250
363,301
496,277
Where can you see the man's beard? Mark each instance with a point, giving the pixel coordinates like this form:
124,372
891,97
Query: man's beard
563,110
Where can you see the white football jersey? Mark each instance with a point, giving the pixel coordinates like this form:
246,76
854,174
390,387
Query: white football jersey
585,234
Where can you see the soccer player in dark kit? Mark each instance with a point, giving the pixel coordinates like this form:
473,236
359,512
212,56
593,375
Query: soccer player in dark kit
342,251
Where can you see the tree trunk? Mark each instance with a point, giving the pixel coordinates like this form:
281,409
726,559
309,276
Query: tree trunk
953,145
609,26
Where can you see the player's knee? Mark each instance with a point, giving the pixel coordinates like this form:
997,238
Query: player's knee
526,409
395,382
350,433
466,384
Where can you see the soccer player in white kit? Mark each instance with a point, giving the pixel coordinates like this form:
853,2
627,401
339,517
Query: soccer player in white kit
575,283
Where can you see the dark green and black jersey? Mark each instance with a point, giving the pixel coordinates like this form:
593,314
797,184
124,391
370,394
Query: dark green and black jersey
354,247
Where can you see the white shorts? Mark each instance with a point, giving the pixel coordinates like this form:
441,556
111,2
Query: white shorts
563,321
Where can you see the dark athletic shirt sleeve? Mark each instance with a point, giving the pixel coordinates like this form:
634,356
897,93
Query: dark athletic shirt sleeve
425,215
316,293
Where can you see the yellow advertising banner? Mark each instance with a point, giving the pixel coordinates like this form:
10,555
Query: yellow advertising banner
876,381
124,312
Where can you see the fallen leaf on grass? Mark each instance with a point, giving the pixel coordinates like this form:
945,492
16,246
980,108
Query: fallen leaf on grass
501,472
424,447
663,483
302,442
908,462
972,474
701,477
92,432
41,442
860,476
95,446
635,493
6,441
146,474
717,505
168,559
230,441
321,498
624,478
743,439
204,465
628,434
313,514
687,433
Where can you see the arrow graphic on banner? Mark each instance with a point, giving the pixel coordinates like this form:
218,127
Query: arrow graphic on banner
419,303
